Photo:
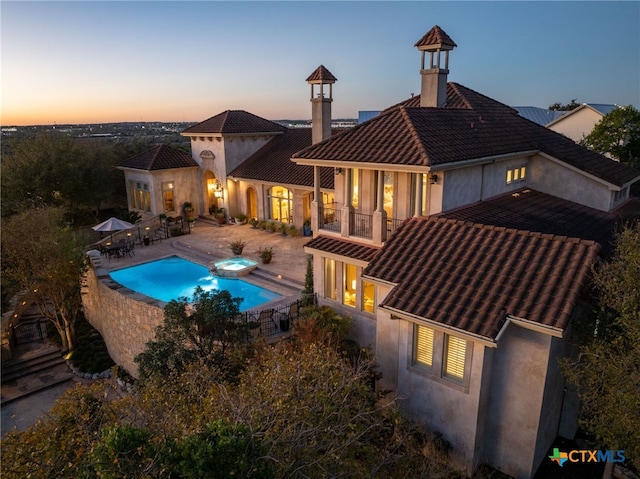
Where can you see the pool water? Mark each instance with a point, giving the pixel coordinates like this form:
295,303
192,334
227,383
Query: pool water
174,277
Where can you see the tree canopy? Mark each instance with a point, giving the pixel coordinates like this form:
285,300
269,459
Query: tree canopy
617,135
607,369
298,409
44,257
572,105
202,328
55,170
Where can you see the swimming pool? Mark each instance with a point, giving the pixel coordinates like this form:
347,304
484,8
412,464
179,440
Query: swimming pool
174,277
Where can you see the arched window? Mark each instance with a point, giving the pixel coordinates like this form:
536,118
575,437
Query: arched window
280,204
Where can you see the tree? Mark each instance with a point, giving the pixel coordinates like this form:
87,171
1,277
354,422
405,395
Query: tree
572,105
46,258
205,328
617,135
607,370
55,170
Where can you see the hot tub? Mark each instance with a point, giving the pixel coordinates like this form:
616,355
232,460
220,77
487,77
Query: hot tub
234,267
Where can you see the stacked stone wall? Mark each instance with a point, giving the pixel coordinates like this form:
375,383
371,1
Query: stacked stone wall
125,319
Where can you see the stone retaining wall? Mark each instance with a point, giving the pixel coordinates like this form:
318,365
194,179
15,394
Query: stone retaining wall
126,320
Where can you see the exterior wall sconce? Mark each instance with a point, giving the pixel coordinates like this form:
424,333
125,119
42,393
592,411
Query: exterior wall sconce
434,178
218,193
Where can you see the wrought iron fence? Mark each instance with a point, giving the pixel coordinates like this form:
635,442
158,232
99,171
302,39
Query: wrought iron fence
278,320
392,225
29,331
330,218
362,225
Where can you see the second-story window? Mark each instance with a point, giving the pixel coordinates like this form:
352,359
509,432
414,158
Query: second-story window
355,183
387,200
517,174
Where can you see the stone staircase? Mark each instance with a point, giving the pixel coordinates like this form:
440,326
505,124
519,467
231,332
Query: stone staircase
35,366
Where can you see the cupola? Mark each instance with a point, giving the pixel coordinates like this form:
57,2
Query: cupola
320,103
434,75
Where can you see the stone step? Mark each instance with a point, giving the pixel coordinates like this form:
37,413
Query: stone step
18,368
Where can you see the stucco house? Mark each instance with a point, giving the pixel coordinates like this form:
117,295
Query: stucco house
239,162
579,122
469,303
457,234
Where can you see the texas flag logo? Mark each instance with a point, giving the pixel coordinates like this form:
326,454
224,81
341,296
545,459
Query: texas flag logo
559,457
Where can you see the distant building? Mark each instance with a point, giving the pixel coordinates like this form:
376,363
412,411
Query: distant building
579,122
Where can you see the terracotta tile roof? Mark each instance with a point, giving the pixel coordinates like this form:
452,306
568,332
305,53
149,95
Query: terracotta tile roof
476,127
343,248
272,163
321,75
234,121
470,277
161,157
436,36
532,210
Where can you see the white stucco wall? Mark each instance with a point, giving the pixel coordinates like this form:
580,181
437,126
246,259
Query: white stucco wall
520,365
558,180
437,403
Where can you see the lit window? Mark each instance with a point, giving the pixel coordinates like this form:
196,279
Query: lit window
330,278
516,174
281,204
454,357
349,285
423,345
368,297
167,196
355,177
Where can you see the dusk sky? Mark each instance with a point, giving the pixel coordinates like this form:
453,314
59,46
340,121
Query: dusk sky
93,62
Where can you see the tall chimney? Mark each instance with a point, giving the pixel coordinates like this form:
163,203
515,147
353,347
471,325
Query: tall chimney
434,78
321,105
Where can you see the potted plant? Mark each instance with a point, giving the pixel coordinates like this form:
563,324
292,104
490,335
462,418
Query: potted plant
272,226
241,218
254,222
187,207
163,217
292,230
237,246
218,214
283,228
306,227
265,254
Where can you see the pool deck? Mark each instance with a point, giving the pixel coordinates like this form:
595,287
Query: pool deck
209,242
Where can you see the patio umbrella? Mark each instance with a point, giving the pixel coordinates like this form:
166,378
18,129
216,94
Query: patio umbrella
111,225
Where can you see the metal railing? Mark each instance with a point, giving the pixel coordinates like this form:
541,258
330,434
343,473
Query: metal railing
273,322
361,225
330,219
392,225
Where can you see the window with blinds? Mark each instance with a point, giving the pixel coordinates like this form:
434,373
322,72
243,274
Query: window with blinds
454,357
423,350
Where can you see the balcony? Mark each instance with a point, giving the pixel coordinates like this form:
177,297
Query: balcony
360,225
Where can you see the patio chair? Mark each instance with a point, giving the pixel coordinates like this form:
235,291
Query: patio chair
267,323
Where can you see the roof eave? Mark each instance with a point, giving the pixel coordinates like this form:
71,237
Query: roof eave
419,319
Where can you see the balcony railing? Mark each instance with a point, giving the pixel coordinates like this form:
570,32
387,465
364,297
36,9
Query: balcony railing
361,225
330,218
392,225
